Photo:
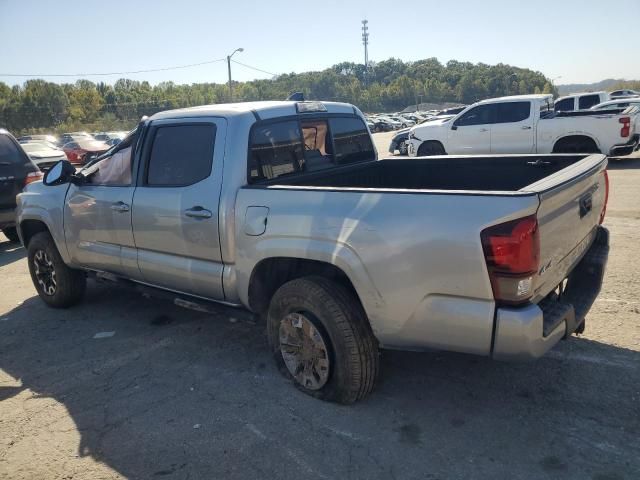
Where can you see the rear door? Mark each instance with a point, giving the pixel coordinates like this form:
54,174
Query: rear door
571,202
471,133
512,131
175,207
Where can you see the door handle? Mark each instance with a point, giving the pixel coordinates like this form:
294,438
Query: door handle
484,130
526,127
120,207
198,212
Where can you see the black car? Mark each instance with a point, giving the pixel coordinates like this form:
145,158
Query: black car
16,171
399,141
380,125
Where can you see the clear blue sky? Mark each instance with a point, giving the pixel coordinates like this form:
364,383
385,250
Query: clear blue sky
582,41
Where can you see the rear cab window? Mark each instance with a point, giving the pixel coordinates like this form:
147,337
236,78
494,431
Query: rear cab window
295,146
10,153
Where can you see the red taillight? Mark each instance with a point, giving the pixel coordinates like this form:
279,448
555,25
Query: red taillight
625,131
606,196
32,177
512,253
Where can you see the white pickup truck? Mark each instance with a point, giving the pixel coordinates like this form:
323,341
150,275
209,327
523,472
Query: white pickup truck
525,124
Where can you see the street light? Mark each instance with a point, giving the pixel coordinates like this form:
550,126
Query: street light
514,76
229,68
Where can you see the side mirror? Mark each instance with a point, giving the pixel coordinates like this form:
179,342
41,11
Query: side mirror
454,127
61,172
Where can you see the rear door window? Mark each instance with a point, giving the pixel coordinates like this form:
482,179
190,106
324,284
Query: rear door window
512,112
587,101
181,155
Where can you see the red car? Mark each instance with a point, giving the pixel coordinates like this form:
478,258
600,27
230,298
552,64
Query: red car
80,151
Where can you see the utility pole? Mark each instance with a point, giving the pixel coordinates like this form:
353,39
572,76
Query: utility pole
229,69
365,42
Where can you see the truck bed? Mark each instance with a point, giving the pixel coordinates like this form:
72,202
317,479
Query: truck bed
478,173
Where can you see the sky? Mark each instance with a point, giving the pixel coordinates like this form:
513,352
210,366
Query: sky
577,41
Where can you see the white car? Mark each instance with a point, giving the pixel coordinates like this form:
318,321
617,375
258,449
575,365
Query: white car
615,104
623,94
524,124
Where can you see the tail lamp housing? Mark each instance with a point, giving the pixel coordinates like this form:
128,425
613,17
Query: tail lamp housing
512,254
606,196
32,177
625,131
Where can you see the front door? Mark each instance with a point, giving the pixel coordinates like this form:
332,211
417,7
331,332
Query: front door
513,130
97,216
470,134
175,207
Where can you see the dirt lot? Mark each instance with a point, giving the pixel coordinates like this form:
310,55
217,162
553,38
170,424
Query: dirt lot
166,392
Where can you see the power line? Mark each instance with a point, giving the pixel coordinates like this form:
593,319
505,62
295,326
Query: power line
254,68
163,69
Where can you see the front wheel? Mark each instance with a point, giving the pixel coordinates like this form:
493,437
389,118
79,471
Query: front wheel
322,341
431,148
12,234
403,149
57,285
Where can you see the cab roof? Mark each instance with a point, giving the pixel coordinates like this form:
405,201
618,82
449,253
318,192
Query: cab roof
261,110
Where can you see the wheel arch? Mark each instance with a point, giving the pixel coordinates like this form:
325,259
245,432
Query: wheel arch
433,140
579,137
269,274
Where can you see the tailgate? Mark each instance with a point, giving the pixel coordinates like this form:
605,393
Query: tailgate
571,202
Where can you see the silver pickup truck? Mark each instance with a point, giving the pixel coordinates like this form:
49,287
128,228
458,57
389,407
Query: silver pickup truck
284,209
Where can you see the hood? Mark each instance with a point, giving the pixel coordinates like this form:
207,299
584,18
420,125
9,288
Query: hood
431,128
46,153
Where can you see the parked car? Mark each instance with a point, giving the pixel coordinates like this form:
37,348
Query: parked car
400,140
381,125
627,93
339,252
16,171
395,124
525,124
43,154
621,103
40,138
70,137
580,101
404,122
83,150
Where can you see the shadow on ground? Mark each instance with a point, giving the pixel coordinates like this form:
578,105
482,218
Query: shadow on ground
624,163
10,252
181,394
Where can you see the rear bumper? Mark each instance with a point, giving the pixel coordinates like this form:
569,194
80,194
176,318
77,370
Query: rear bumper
626,148
7,217
529,332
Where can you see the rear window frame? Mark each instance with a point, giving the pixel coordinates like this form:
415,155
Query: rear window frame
299,118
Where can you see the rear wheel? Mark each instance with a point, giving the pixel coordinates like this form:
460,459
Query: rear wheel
322,341
576,145
430,148
12,234
57,285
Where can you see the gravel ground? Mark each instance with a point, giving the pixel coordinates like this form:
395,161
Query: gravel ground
165,392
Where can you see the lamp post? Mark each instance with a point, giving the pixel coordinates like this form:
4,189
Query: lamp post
229,69
513,75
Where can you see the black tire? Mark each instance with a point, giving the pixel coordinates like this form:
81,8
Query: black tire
427,149
403,149
69,284
342,323
12,234
575,145
376,129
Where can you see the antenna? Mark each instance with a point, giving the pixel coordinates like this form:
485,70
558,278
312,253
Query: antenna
365,42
